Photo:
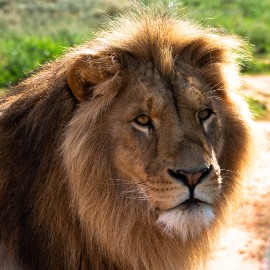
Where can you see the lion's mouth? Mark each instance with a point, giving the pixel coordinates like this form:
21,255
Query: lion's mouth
190,204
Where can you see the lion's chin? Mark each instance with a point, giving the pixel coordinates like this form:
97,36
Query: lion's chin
186,221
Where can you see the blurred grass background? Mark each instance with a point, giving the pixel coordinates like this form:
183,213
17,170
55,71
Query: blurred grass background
36,31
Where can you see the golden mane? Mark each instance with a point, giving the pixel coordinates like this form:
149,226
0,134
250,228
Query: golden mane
59,208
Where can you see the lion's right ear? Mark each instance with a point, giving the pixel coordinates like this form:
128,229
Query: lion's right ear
87,71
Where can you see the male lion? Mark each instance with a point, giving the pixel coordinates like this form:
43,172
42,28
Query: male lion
126,152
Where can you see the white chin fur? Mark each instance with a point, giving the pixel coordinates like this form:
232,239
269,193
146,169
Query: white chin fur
186,223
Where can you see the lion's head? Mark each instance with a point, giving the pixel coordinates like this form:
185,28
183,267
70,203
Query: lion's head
163,130
155,149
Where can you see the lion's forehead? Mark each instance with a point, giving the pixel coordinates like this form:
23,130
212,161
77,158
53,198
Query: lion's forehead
160,94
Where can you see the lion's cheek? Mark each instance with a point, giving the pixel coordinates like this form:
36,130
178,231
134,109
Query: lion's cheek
128,166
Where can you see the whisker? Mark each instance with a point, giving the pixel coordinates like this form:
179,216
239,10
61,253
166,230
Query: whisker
215,97
148,210
212,91
228,172
206,86
212,87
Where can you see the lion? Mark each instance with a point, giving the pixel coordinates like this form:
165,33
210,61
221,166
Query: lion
127,152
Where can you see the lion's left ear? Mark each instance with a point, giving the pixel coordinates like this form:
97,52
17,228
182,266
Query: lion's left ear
88,71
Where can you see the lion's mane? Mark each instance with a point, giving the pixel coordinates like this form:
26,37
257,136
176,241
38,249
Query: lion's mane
57,209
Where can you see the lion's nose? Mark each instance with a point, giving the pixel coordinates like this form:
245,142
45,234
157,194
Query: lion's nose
190,177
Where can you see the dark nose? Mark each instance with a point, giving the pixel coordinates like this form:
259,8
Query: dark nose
190,177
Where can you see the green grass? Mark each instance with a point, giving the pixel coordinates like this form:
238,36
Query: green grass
256,107
247,18
36,31
20,55
259,65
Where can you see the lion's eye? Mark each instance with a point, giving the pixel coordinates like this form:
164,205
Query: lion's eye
143,120
205,114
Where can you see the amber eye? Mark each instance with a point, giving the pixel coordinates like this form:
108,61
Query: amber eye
143,120
205,114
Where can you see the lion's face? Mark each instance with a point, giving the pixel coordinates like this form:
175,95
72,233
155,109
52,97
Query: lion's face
159,125
169,138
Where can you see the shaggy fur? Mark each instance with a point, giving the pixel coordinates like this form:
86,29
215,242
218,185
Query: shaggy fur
85,185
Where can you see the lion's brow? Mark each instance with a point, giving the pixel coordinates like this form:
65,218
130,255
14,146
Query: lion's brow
149,104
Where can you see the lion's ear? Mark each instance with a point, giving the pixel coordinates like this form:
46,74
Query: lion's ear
87,71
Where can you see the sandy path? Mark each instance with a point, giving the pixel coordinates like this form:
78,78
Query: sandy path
243,245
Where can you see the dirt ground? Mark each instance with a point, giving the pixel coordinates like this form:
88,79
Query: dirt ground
245,245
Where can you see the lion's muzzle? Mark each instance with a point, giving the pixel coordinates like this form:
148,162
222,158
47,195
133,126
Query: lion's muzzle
191,178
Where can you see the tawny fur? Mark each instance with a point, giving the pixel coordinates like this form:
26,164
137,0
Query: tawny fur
66,203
